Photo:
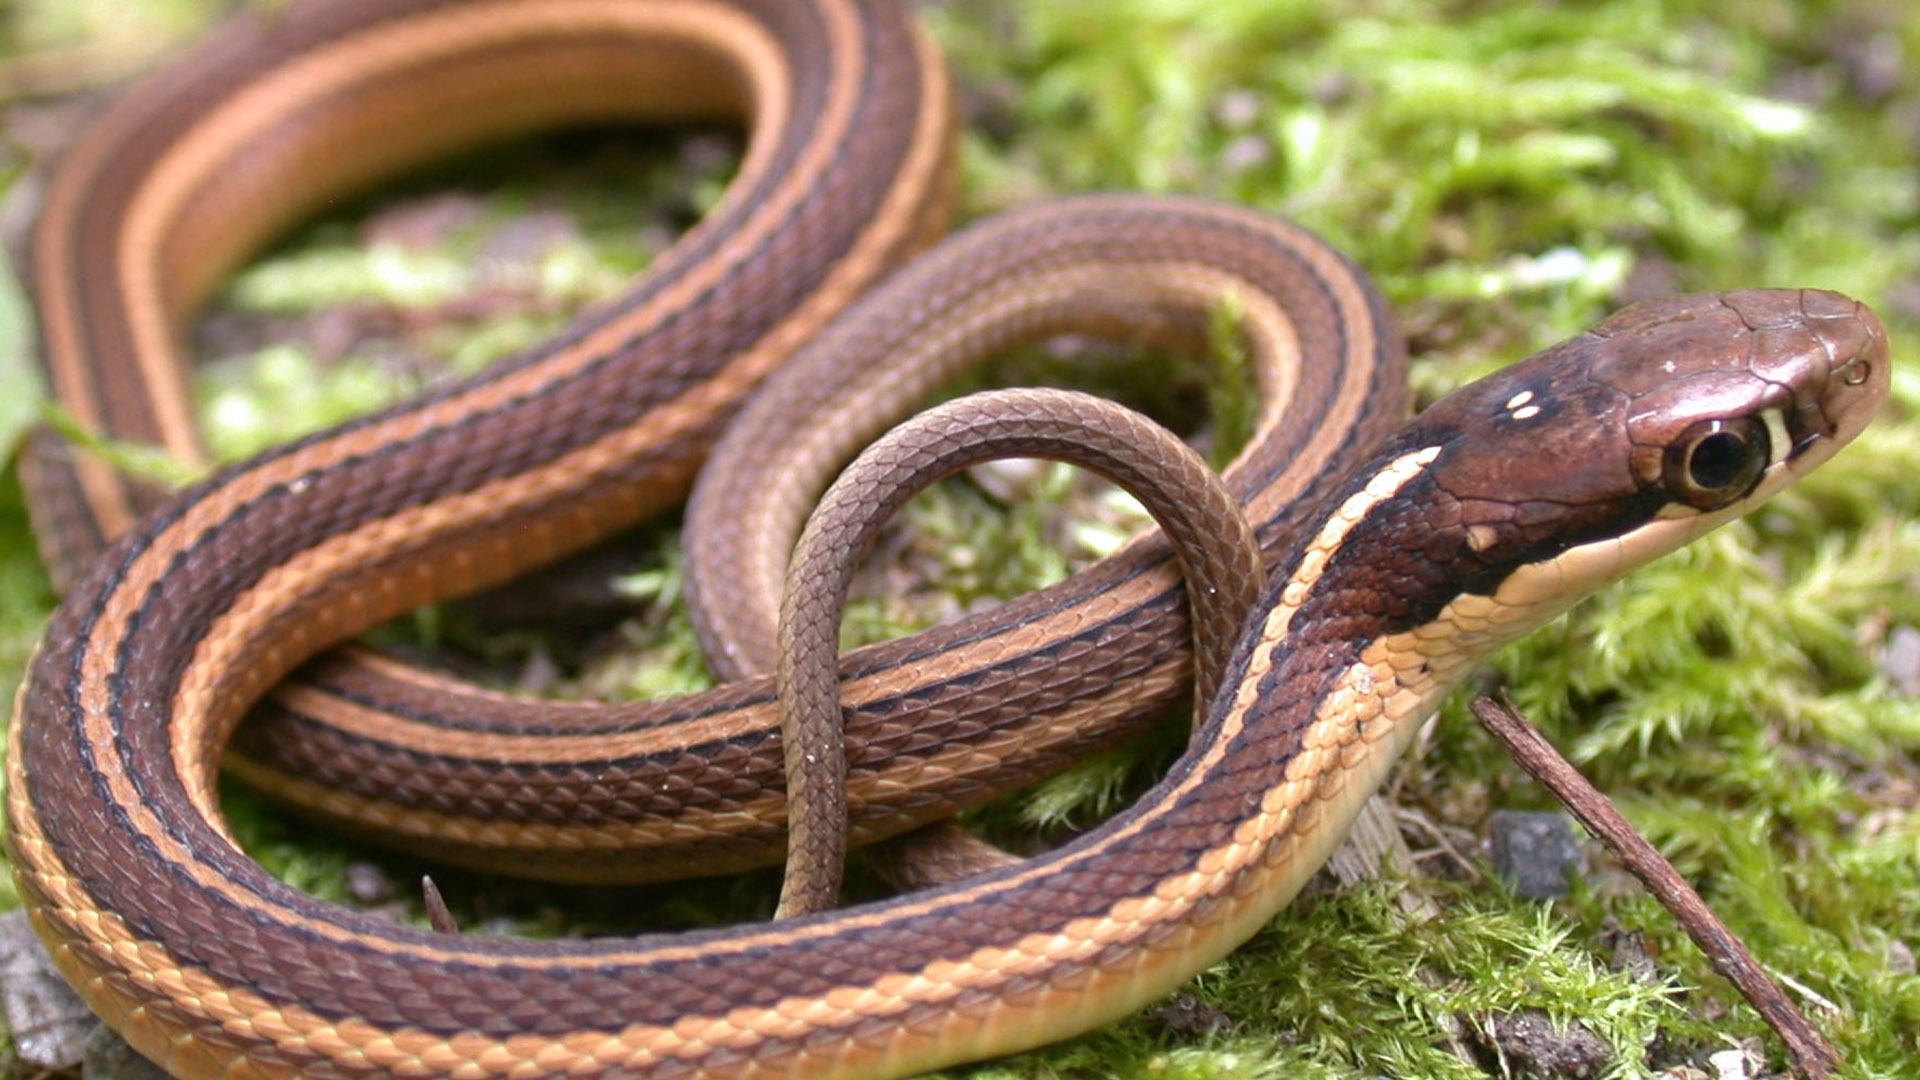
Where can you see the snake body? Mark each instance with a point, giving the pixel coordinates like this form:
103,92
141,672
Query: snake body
631,792
1403,562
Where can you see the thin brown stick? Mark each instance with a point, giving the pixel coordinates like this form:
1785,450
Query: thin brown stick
1808,1052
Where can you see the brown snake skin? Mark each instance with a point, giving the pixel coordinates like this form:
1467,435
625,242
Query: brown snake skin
1218,562
651,789
1402,564
631,792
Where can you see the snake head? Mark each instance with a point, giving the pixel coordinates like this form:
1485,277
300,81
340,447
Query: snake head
1667,419
1779,380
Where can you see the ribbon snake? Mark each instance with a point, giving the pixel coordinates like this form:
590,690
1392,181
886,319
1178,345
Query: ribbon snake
1400,553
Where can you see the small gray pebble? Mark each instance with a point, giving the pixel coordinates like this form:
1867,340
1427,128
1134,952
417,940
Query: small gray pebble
49,1022
1533,852
1900,958
1532,1046
1900,663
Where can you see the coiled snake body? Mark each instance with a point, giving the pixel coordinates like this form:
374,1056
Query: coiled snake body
1400,562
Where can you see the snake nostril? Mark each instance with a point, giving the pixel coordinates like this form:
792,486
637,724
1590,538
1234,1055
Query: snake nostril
1856,373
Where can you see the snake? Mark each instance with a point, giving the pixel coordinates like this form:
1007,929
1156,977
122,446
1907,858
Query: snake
1404,553
1219,562
642,792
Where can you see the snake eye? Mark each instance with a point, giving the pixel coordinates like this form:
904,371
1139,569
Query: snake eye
1715,462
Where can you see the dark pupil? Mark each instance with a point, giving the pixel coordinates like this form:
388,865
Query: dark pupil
1718,460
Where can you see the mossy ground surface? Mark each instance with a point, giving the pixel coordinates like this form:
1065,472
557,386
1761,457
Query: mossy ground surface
1509,173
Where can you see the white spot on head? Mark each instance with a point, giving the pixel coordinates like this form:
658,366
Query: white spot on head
1519,399
1527,412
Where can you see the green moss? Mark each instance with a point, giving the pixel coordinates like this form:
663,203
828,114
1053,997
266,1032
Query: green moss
1508,173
